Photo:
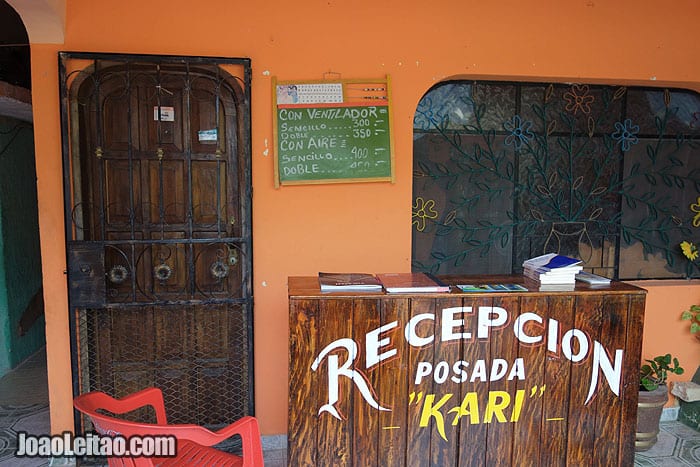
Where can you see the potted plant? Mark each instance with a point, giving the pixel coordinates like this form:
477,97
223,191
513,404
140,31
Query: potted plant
689,412
653,395
692,315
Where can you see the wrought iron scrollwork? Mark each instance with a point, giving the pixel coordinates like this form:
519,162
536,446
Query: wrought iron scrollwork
219,270
118,274
162,272
226,259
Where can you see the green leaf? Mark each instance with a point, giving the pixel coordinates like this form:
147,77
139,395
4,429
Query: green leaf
505,237
675,161
479,111
424,168
649,386
460,259
443,168
539,111
626,237
659,124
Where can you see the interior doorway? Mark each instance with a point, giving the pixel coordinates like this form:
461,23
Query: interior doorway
22,325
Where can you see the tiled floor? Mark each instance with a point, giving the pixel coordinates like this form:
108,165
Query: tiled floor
24,407
678,445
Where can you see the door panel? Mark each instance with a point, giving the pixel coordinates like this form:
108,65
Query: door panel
160,204
167,195
115,115
208,206
120,197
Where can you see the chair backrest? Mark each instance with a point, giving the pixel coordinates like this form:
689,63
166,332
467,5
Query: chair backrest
90,404
94,404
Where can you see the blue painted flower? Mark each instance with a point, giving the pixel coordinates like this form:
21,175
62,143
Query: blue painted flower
626,134
425,118
519,131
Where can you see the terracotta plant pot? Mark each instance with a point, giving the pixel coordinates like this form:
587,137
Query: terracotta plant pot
649,409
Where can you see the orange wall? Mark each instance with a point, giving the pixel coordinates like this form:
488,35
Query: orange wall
664,331
363,227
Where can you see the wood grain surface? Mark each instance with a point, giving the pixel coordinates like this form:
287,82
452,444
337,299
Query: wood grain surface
461,379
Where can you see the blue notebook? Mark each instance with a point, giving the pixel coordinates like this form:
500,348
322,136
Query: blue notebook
550,262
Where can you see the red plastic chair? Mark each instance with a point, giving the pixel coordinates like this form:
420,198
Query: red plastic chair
193,441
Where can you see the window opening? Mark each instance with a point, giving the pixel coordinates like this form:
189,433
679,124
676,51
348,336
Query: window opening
507,171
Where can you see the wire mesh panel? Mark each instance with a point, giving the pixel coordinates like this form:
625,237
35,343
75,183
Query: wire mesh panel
157,183
198,360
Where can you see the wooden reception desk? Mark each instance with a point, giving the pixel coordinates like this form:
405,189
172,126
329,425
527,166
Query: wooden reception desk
454,379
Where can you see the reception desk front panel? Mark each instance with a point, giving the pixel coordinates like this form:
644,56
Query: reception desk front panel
526,378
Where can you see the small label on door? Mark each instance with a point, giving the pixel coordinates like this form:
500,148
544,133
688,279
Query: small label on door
207,135
167,114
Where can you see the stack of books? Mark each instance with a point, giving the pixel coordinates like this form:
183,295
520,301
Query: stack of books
407,282
552,269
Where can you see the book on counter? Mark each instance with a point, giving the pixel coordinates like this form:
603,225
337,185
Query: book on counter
491,288
592,279
552,269
348,282
411,282
557,287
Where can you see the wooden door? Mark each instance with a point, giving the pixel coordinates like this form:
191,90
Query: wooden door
159,249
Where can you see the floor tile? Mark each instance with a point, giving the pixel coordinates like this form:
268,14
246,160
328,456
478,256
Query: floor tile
678,445
24,407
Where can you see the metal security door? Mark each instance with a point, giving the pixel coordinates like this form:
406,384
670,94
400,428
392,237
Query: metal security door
157,184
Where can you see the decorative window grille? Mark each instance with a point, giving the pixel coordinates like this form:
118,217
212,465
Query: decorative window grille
506,171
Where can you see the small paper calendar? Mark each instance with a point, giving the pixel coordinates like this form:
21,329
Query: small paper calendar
317,93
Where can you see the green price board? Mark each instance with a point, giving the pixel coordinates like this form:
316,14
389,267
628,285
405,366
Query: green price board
331,136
